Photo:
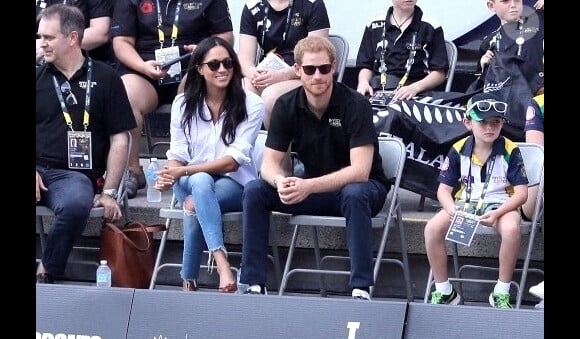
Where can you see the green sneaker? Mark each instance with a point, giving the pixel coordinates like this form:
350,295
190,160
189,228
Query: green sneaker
445,299
500,300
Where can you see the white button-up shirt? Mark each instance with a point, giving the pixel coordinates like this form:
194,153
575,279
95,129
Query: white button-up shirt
203,141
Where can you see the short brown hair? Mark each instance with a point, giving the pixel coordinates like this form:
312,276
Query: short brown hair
314,43
71,18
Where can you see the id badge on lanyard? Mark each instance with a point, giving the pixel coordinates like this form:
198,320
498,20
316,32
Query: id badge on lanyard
79,150
163,55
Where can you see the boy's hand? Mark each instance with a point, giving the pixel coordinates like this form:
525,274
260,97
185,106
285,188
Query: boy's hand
489,218
486,59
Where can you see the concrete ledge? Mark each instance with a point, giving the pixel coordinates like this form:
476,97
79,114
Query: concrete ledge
331,238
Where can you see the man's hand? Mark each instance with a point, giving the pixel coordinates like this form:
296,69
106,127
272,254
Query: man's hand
112,210
39,186
292,190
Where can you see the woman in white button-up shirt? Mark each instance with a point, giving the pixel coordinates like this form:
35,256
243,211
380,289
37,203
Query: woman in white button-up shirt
214,125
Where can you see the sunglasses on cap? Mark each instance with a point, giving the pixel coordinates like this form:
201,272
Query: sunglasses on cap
214,65
486,105
70,98
310,69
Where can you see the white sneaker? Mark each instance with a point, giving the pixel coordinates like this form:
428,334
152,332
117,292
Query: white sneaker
538,290
360,294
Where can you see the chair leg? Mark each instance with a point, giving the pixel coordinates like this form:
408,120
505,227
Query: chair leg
421,205
288,260
156,268
405,255
428,288
318,259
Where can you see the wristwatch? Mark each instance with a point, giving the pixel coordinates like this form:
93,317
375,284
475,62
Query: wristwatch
111,192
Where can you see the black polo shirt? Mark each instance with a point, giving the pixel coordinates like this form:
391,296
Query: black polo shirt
91,9
306,16
109,113
198,19
324,145
429,43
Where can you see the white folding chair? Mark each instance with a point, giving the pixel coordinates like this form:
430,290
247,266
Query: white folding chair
175,212
96,212
341,45
533,155
393,153
452,57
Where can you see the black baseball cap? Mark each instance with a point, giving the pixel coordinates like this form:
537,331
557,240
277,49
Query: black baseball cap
485,105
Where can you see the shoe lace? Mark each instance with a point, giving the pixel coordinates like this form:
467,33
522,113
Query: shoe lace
436,297
502,301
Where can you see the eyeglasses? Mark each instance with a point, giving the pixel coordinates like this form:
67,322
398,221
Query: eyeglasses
486,105
214,65
310,69
70,98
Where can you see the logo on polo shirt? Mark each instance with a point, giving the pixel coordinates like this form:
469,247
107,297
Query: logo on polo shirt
334,122
146,7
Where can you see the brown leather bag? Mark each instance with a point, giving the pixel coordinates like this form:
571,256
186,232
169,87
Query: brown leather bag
129,252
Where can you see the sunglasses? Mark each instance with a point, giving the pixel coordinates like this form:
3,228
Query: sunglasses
214,65
70,98
310,69
486,105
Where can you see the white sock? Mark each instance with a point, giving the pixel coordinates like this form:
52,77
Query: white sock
501,287
444,287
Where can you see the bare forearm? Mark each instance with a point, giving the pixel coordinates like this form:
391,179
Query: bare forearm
116,160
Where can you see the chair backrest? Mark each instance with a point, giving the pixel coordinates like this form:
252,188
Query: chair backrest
533,155
258,150
341,45
393,153
452,56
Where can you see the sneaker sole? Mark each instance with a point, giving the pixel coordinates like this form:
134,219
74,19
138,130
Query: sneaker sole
536,293
456,300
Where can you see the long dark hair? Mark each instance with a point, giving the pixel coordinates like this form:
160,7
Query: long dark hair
196,90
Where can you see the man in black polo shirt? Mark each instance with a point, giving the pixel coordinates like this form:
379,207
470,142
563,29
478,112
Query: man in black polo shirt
96,117
331,129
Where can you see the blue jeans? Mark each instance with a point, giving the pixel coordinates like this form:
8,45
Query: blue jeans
70,196
357,202
212,196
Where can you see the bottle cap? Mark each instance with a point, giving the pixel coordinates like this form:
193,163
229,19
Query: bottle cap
103,262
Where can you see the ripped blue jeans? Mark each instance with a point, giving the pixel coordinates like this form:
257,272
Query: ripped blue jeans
212,195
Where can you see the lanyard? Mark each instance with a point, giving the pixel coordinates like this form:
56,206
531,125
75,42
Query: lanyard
65,112
286,27
174,28
520,40
479,204
410,59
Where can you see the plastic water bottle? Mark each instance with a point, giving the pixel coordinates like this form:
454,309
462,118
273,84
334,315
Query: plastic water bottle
103,275
153,195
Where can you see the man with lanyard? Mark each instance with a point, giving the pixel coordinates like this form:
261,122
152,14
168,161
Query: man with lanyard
404,52
79,99
148,33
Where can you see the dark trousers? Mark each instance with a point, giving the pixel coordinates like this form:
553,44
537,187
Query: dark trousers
357,202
